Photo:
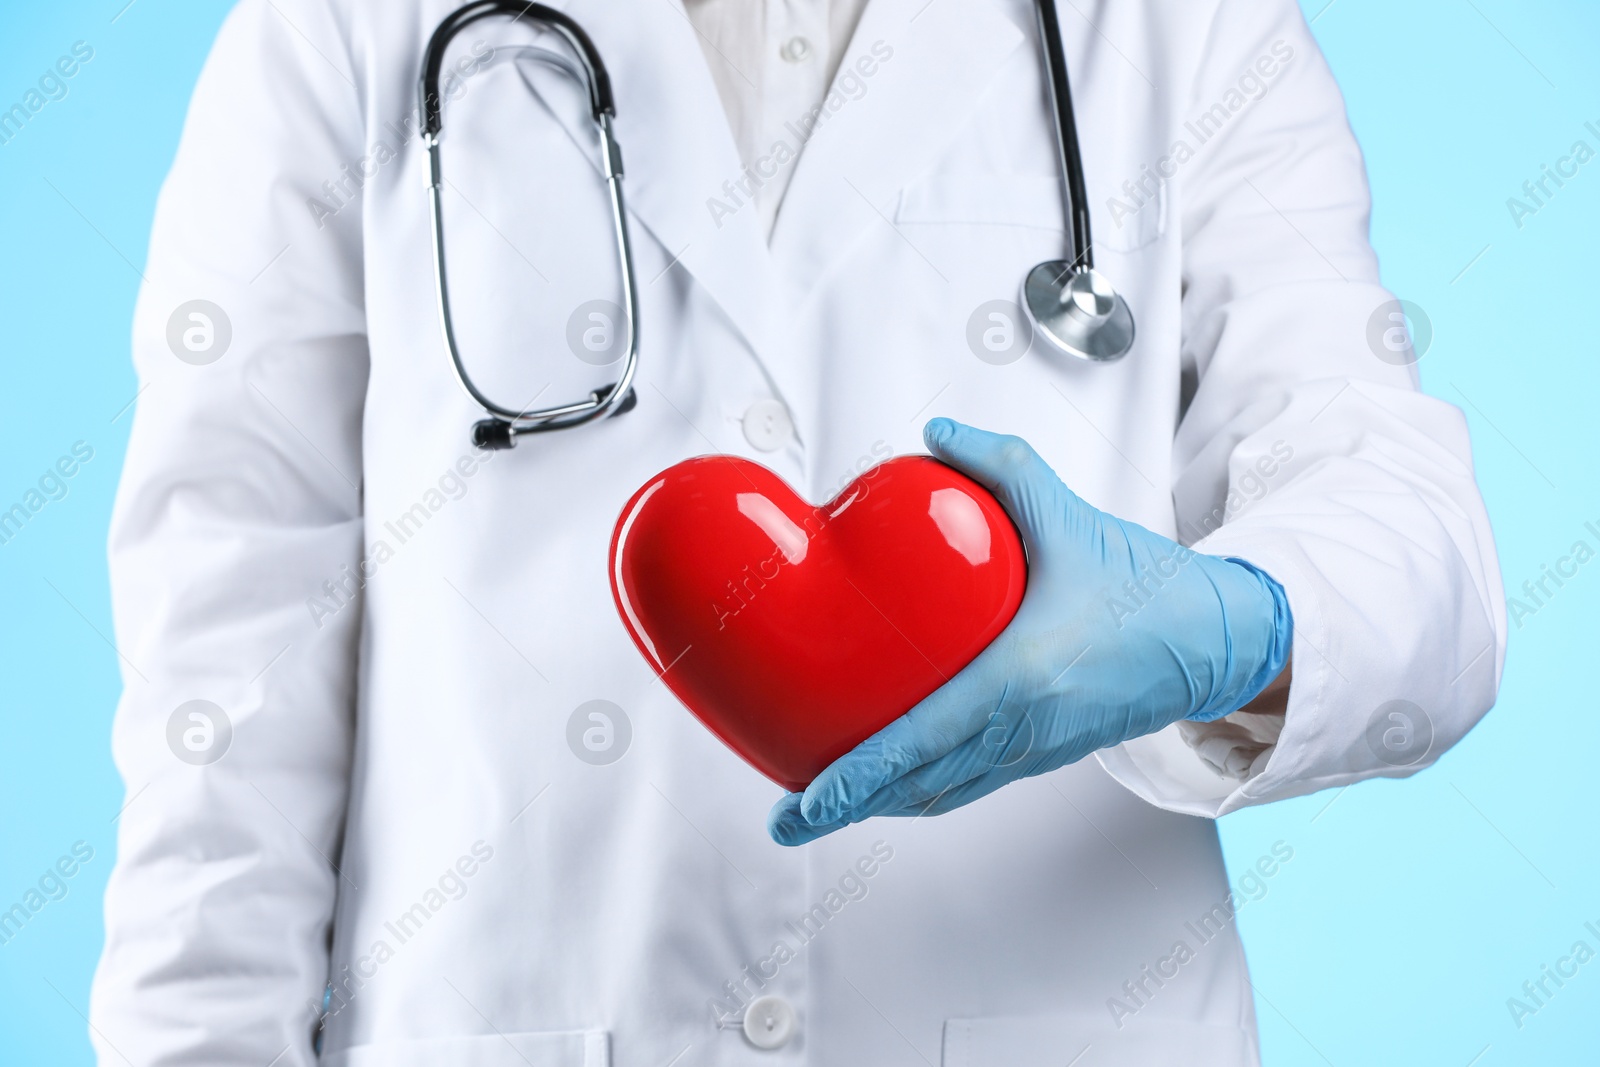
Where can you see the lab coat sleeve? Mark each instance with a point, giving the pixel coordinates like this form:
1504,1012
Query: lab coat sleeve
240,498
1305,453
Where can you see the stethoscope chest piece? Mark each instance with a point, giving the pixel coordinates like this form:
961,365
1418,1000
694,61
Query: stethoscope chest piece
1078,312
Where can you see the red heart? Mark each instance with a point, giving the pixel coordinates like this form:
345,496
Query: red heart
795,632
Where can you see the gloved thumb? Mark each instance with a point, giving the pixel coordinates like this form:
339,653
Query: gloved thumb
1031,493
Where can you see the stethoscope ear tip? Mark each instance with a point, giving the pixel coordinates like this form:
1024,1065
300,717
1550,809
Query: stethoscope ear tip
497,434
1078,312
492,435
630,400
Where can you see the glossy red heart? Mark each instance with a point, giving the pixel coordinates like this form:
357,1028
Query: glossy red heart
795,632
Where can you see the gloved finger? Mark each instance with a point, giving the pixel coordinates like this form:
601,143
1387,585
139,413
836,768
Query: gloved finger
998,754
951,799
1031,493
942,721
788,827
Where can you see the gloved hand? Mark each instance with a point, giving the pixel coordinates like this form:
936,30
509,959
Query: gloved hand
1121,632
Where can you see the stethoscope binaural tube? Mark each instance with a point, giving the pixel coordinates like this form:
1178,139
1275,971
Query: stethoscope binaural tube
1071,305
505,424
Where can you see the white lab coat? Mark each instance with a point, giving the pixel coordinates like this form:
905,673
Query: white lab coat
612,914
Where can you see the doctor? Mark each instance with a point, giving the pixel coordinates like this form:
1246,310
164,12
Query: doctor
400,790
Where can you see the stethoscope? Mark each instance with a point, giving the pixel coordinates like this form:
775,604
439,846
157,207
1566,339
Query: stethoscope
1071,305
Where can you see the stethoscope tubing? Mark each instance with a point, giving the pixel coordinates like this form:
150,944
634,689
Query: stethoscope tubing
1076,200
601,402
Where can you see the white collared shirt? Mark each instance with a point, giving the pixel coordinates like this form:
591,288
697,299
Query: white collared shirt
772,63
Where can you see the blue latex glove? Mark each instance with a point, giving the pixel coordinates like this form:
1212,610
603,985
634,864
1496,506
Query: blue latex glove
1121,632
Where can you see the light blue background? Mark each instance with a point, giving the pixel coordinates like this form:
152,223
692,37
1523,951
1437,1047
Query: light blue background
1411,910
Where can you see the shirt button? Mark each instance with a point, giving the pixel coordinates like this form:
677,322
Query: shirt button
769,1022
795,50
767,425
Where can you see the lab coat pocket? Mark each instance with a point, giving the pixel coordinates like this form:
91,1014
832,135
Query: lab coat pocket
546,1048
1089,1041
1030,201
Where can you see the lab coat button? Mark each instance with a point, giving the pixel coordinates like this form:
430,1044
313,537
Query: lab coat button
795,50
769,1022
767,425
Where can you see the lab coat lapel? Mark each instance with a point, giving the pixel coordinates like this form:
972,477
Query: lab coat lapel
678,154
930,63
